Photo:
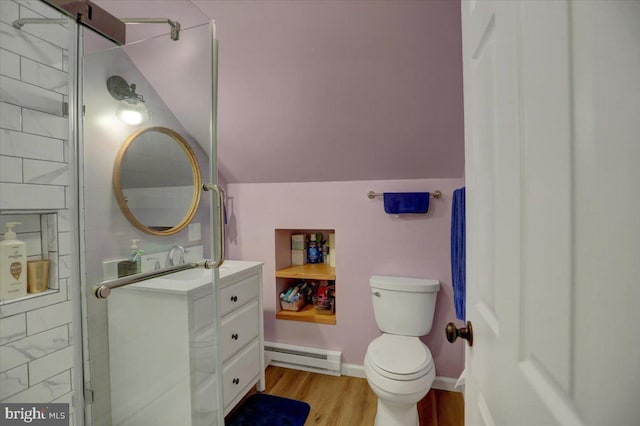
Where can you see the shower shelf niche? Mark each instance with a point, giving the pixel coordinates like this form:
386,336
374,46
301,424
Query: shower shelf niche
39,230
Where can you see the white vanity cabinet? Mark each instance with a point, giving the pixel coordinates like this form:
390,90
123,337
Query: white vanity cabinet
162,345
241,339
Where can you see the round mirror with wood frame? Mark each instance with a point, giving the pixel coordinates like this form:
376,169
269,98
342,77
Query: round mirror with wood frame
156,181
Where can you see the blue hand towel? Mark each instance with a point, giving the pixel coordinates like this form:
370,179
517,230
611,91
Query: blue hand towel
458,252
406,202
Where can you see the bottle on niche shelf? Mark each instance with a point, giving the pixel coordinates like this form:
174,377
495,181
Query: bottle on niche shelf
313,254
13,265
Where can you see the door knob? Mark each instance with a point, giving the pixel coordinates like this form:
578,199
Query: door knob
453,332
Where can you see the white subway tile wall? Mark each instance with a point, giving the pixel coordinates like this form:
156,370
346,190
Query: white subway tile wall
10,170
33,347
47,366
47,298
44,76
18,144
44,124
10,115
17,196
45,172
47,390
36,352
14,381
64,243
27,95
12,328
9,63
48,317
33,241
20,41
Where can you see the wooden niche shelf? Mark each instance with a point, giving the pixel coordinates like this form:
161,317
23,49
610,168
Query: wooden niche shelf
321,272
309,271
306,314
289,274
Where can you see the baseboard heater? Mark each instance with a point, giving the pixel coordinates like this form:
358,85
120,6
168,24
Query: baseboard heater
303,358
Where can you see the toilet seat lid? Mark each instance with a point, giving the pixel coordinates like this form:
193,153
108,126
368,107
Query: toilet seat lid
399,357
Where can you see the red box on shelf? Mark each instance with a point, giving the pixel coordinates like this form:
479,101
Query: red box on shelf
324,306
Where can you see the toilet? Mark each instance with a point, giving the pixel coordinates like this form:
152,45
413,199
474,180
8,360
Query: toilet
398,366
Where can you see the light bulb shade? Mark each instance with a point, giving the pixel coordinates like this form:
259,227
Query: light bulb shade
132,113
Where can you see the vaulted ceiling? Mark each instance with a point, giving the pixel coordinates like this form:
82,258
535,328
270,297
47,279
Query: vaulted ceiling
319,90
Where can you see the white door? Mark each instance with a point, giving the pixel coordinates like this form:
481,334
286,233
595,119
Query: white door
552,129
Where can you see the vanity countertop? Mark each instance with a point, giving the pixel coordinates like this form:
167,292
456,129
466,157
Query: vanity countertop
192,279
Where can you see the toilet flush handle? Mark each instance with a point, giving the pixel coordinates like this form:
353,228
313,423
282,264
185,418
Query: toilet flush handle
376,293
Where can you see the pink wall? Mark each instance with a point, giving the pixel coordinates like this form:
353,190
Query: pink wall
369,89
369,242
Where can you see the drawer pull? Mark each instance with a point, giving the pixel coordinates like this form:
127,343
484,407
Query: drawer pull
236,381
234,298
234,336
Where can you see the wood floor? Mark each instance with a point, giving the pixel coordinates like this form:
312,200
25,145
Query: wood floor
348,401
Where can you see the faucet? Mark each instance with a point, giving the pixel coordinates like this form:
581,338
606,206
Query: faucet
156,266
172,253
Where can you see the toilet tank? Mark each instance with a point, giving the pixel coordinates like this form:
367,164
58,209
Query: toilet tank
404,306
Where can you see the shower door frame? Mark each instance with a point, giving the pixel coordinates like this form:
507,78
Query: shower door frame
93,16
83,394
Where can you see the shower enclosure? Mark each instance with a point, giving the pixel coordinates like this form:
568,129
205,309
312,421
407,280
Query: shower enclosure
106,147
133,381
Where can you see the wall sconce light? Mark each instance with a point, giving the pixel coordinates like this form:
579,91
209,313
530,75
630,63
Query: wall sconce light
131,106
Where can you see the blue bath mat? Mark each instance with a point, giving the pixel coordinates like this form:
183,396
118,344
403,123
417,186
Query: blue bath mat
267,410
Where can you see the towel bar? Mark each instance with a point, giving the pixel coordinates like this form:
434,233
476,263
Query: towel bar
372,195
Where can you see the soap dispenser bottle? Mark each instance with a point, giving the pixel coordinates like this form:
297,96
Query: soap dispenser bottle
136,255
13,265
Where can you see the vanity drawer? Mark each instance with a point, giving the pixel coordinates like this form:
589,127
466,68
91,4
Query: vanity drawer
238,329
237,294
238,373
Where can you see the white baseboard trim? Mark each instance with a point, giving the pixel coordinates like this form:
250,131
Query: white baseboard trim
440,383
353,370
445,383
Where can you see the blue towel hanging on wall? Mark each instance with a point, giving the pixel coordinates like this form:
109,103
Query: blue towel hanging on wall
458,252
406,202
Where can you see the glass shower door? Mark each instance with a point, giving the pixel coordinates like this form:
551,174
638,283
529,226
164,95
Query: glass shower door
148,146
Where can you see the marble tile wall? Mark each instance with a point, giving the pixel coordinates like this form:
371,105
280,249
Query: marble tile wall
36,347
